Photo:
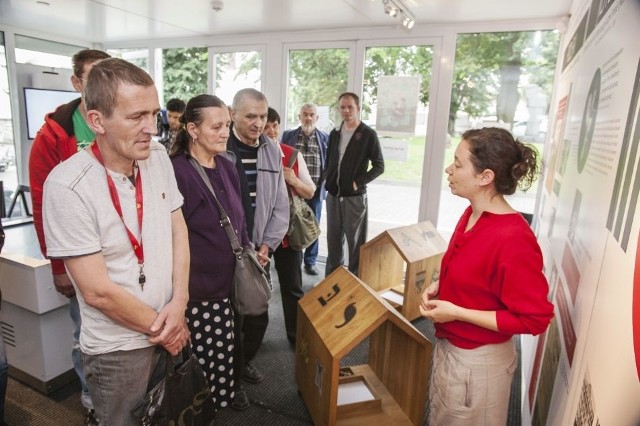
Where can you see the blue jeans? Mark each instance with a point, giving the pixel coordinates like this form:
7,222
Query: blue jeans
74,312
119,381
311,252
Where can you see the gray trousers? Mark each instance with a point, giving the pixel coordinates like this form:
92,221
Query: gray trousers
346,220
470,387
118,381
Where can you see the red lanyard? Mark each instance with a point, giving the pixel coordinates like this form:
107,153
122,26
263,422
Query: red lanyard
137,246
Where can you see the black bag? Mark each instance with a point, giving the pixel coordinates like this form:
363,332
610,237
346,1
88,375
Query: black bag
183,396
251,288
303,225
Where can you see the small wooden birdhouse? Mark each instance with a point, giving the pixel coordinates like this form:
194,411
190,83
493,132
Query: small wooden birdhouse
401,262
333,318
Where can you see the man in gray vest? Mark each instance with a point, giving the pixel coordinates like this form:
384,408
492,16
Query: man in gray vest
266,207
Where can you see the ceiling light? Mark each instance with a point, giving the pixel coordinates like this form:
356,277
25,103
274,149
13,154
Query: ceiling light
395,8
408,22
390,8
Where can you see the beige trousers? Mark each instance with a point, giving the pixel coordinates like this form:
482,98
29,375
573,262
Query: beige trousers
470,386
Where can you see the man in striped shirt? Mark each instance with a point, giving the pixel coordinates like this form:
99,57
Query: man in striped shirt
266,205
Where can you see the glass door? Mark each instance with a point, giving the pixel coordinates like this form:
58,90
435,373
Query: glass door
235,70
317,76
396,83
8,172
499,79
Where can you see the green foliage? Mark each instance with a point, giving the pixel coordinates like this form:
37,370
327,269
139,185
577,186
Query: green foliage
317,76
489,71
250,61
398,61
320,75
409,171
540,62
184,72
488,68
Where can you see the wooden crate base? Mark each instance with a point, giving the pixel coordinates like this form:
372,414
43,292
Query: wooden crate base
388,412
394,296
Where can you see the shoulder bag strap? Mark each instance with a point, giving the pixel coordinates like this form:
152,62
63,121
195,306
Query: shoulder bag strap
224,219
292,161
293,158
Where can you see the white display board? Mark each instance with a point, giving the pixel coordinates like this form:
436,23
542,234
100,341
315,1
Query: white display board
40,102
583,370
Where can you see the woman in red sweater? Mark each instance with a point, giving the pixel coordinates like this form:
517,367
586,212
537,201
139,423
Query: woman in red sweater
491,284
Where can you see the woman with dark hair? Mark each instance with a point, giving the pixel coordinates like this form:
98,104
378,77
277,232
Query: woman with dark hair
203,136
288,261
491,284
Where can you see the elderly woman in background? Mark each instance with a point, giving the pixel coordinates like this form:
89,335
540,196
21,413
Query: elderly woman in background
288,262
491,284
203,136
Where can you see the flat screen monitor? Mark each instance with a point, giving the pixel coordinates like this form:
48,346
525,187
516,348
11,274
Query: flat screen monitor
40,102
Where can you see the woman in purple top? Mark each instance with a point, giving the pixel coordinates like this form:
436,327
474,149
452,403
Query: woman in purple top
203,135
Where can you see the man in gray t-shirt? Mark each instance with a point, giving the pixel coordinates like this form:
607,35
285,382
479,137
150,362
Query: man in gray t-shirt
354,159
112,214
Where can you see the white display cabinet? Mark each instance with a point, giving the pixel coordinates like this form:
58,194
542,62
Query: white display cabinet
36,326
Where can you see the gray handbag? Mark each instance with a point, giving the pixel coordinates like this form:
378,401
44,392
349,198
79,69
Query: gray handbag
251,287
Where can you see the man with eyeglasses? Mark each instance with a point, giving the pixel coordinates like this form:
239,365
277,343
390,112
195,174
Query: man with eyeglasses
352,148
64,132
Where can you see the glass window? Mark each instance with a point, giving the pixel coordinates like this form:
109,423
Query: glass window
184,72
505,80
46,53
139,57
234,71
8,172
316,76
395,101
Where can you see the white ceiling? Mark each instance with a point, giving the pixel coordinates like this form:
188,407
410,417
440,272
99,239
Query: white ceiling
111,21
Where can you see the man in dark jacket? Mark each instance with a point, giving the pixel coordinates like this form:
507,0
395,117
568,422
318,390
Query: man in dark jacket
352,147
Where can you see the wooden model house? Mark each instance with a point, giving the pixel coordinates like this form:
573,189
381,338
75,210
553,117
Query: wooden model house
401,262
333,318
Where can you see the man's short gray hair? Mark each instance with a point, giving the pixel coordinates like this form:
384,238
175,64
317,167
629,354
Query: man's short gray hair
247,93
309,105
